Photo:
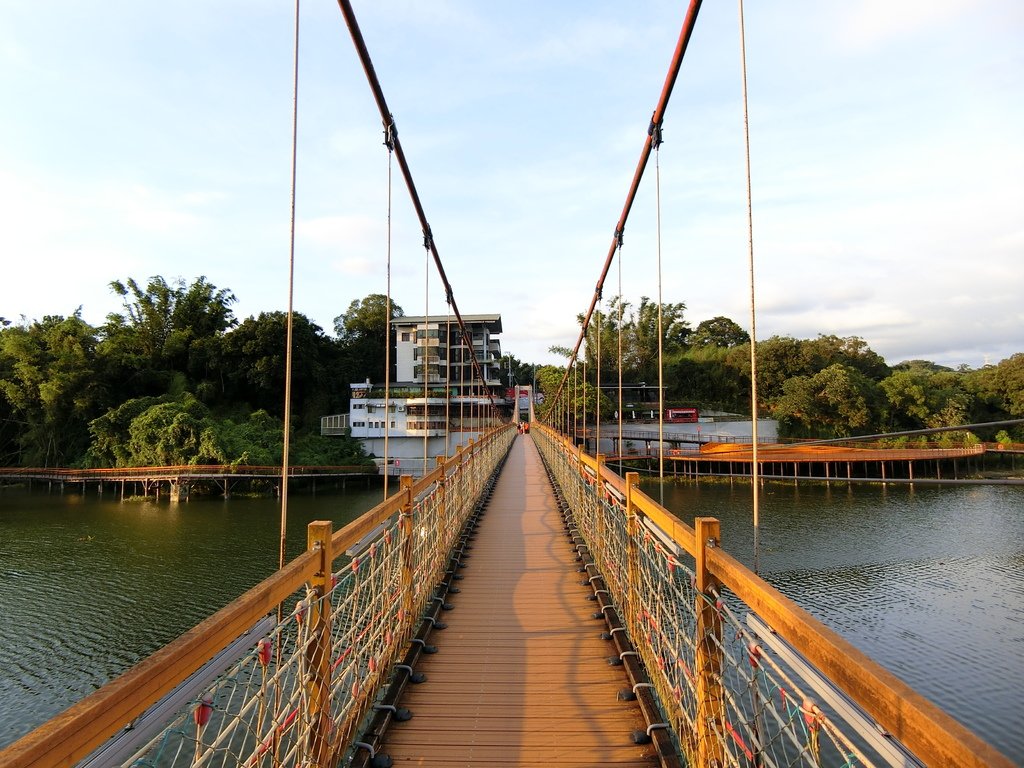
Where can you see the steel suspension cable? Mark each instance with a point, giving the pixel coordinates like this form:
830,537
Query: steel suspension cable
389,143
661,331
425,367
657,119
620,413
428,237
287,425
754,467
447,380
597,407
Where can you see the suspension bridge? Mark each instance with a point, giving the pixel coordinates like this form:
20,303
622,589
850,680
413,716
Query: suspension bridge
519,604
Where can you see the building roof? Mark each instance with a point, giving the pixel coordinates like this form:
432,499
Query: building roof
493,322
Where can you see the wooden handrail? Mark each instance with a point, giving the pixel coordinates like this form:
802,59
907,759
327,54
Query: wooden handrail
74,733
924,728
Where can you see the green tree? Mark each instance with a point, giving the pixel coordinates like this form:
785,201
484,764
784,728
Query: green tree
48,377
836,402
1000,387
174,433
166,332
718,332
364,331
253,368
906,392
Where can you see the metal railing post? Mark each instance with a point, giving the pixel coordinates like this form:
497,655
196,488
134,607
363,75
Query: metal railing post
708,642
317,700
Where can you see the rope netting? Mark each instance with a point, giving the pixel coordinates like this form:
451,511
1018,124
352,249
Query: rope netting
267,708
729,698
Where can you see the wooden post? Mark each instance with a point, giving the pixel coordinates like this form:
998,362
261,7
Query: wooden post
599,508
318,650
408,571
708,642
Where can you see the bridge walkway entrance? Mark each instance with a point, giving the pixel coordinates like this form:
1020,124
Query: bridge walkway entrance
521,676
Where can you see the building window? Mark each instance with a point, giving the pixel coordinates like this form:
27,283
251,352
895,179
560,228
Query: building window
358,423
358,406
406,336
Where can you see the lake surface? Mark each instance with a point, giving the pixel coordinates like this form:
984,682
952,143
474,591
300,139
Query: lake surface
90,586
929,581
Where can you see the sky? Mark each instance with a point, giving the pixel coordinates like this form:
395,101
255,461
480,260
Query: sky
140,138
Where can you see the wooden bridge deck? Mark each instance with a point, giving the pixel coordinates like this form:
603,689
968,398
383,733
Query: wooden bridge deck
521,675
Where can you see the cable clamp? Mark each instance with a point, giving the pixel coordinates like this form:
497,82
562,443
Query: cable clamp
428,237
384,708
624,654
390,133
654,131
404,668
367,747
618,238
617,629
656,727
642,685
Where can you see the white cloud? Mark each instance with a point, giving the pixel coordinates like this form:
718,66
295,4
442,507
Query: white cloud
865,24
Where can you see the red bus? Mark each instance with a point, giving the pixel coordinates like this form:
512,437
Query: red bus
681,415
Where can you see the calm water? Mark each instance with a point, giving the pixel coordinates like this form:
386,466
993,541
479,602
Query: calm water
928,581
88,587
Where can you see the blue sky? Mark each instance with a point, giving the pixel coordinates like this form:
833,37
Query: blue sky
141,138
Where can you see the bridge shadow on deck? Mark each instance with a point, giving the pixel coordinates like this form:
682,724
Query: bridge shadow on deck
521,675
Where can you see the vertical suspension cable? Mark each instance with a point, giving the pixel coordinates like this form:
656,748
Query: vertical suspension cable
584,411
575,402
426,357
447,380
597,404
287,426
390,144
462,393
754,468
661,332
621,415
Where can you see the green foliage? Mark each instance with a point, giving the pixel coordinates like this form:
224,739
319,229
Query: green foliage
49,382
162,432
364,332
718,332
838,401
316,450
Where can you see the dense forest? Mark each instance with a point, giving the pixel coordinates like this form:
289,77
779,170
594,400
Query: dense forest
175,378
824,387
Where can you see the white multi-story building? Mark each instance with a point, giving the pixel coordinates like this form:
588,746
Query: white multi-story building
436,403
434,347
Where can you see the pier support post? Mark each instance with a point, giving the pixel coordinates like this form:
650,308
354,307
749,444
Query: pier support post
708,662
317,650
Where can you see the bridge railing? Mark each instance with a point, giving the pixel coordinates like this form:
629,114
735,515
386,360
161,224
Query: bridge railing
743,676
296,693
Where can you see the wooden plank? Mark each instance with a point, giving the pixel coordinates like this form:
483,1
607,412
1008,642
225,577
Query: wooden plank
521,676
